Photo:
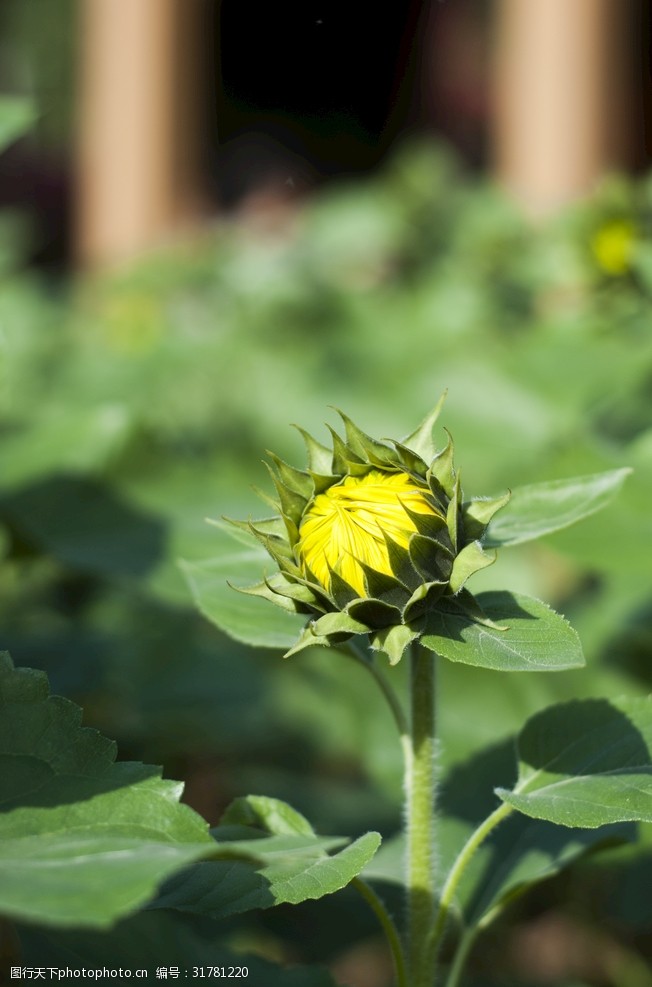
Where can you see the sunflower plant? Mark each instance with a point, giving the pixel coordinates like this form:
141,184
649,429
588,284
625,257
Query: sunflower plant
369,551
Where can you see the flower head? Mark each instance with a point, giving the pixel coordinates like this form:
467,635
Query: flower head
613,246
350,526
372,536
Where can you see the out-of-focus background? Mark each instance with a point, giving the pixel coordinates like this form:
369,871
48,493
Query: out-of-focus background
221,218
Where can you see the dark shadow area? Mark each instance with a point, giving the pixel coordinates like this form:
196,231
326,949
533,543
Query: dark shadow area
522,851
452,616
583,735
468,791
308,92
630,649
86,526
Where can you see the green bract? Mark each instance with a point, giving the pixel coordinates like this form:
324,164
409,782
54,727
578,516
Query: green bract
403,548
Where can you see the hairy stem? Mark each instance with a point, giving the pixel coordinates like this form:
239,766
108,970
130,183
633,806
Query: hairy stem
420,815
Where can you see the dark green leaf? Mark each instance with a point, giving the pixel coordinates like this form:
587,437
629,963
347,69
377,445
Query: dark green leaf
159,940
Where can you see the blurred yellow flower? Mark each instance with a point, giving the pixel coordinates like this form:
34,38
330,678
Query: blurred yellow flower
613,246
347,524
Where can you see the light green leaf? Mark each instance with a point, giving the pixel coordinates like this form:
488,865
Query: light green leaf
586,763
246,618
74,821
478,513
289,862
290,872
421,441
65,441
536,639
17,115
470,560
393,641
541,508
337,623
271,815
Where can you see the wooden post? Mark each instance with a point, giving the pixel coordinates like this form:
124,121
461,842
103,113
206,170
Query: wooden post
130,105
558,92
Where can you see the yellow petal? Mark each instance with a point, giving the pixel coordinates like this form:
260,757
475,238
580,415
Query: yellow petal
613,246
346,525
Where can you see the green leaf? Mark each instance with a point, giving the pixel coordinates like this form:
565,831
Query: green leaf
264,591
245,618
337,623
320,457
17,115
75,821
421,441
541,508
393,641
470,560
523,852
520,852
442,467
290,869
586,763
362,445
290,865
478,513
536,639
292,503
294,479
271,815
63,441
307,639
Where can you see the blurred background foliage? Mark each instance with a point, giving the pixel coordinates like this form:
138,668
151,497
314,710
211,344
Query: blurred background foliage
138,401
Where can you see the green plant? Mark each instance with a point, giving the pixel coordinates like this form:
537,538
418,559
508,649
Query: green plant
133,403
583,768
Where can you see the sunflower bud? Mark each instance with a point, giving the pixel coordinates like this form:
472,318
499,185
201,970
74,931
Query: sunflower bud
373,536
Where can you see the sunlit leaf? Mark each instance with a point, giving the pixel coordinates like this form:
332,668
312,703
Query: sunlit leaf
246,618
17,115
586,763
541,508
533,637
291,863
